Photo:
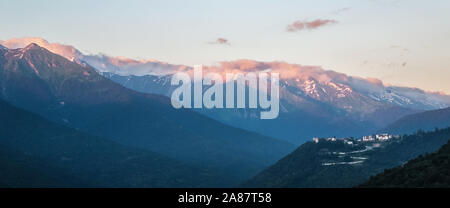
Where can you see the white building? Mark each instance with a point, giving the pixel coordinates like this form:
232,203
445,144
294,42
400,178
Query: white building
383,137
333,139
368,138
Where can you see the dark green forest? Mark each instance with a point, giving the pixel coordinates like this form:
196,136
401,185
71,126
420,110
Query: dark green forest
430,171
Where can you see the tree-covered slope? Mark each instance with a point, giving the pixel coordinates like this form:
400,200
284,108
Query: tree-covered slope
431,170
38,153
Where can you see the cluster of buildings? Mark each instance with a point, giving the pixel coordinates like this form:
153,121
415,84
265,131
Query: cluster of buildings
369,138
379,137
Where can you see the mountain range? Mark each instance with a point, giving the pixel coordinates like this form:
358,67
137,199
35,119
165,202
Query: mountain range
313,102
76,120
339,105
75,95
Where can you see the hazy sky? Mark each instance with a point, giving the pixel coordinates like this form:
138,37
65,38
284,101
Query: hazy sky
402,42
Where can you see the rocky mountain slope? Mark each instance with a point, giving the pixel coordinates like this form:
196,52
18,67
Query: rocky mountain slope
75,95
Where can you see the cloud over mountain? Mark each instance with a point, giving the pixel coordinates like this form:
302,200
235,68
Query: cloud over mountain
103,63
66,51
295,72
127,66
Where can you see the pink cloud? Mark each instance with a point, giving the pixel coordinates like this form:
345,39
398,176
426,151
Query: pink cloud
66,51
309,25
103,63
286,70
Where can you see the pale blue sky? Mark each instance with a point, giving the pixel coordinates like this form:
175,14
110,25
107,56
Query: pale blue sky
402,42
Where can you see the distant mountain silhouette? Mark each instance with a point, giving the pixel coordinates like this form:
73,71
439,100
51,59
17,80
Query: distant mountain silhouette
75,95
426,121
